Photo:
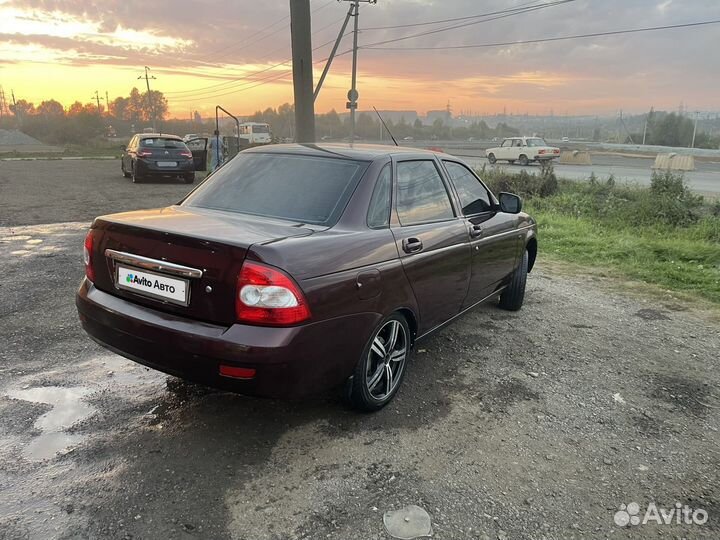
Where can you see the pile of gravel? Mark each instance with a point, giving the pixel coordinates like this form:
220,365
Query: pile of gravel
13,137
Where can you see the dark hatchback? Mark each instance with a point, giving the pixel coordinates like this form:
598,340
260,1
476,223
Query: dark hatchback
297,268
155,155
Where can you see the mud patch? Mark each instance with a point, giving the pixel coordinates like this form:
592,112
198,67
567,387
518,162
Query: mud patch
500,396
688,395
651,315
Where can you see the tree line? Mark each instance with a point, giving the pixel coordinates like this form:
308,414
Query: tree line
368,126
80,122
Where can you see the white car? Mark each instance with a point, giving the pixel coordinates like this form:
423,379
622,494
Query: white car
189,137
523,150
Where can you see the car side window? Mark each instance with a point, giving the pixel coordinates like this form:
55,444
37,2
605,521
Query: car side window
474,198
505,144
421,193
379,210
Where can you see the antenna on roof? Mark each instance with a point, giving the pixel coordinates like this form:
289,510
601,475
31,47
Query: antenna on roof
386,128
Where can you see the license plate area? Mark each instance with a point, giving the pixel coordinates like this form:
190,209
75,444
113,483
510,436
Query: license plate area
153,285
167,163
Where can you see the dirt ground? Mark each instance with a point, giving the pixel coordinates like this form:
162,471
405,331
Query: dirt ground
535,424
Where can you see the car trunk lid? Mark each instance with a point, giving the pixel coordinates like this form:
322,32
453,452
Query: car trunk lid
212,242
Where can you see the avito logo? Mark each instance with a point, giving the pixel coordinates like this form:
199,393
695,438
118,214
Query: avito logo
144,282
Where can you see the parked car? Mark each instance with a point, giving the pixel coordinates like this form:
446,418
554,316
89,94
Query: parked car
190,136
152,155
294,269
566,139
523,150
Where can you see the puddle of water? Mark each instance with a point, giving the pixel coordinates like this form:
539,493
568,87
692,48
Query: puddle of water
34,241
68,408
14,238
20,252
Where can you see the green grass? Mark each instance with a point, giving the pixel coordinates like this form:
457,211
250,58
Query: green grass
674,260
663,235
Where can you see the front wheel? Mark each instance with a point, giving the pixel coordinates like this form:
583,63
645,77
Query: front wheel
492,159
381,368
513,296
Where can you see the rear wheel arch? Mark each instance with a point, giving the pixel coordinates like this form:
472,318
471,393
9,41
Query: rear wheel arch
411,320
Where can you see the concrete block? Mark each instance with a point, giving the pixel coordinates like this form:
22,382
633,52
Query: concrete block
674,162
575,157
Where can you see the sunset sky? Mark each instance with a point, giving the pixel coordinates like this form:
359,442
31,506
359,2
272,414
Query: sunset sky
209,52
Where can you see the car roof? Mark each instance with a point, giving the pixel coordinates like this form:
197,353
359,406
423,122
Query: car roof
366,152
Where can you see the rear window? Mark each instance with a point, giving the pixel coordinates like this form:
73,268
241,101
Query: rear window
297,188
159,142
260,129
536,142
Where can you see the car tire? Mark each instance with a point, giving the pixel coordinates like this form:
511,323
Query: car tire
135,178
369,388
524,160
492,159
189,179
122,168
513,296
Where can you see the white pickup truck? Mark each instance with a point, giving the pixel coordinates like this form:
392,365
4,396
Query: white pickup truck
523,150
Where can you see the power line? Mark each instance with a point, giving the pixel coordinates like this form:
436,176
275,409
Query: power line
217,86
226,85
190,95
261,82
544,40
428,23
463,25
248,38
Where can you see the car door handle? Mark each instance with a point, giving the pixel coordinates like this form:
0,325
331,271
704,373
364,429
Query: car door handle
412,245
476,231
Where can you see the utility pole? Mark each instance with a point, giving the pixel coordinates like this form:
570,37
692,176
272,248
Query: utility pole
353,93
15,111
97,98
334,50
300,37
697,113
147,78
107,102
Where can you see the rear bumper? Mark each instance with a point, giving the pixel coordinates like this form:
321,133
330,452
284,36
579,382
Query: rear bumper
148,168
289,362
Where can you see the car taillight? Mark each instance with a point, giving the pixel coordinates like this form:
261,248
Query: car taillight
268,296
87,257
144,153
186,153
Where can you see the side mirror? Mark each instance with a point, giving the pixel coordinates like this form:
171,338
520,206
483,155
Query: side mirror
510,203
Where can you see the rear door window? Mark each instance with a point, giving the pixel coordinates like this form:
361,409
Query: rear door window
421,193
304,189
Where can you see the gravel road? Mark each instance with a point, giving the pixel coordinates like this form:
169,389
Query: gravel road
536,424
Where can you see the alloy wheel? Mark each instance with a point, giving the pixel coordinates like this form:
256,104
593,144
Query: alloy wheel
386,360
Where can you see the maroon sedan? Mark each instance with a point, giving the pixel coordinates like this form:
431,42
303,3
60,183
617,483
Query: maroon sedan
297,268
